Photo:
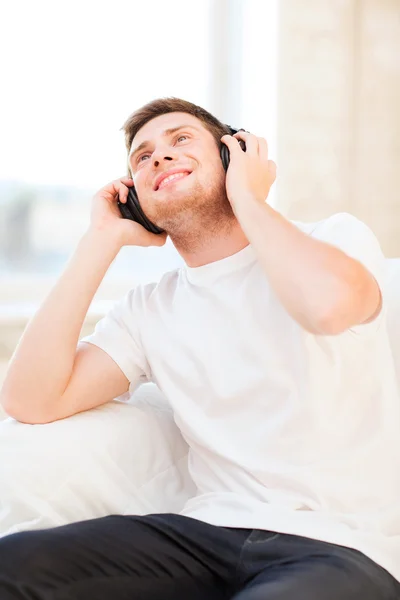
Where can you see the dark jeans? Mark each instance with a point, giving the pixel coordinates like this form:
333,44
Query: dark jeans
165,557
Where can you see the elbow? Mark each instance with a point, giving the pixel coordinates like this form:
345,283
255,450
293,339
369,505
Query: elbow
337,318
341,311
324,325
330,324
348,307
24,414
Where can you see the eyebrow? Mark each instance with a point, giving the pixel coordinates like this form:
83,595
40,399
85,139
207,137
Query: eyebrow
165,133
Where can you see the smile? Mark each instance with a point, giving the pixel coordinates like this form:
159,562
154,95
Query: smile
173,177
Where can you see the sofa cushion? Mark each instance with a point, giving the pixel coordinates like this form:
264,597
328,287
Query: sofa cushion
114,459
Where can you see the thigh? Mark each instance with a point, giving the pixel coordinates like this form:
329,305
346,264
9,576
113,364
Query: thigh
124,557
298,568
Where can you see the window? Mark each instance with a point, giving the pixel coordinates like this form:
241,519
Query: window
75,71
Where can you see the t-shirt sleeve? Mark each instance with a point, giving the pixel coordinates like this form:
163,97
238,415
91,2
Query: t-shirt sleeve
356,239
117,333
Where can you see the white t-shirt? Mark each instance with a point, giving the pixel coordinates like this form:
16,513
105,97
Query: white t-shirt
288,431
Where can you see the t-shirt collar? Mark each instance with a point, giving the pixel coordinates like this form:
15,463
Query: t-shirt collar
211,272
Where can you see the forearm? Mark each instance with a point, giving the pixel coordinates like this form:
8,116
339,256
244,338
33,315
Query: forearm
309,276
42,363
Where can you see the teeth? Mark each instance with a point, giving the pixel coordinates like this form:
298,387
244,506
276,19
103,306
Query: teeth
170,178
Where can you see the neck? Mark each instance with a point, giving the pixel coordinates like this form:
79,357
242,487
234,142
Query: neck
200,247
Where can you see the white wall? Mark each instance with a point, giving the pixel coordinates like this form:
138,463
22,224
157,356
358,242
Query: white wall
338,112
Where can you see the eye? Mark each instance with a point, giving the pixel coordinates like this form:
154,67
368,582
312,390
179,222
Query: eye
143,156
185,137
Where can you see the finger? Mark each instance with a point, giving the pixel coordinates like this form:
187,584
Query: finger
263,149
272,169
153,239
122,194
232,143
250,140
126,180
160,239
119,188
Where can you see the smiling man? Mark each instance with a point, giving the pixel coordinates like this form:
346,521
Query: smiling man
270,345
183,193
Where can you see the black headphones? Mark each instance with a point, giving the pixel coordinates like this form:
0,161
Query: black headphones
132,209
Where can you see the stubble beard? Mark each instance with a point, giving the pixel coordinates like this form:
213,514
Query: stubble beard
194,219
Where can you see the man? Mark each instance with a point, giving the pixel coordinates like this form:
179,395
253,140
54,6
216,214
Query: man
271,346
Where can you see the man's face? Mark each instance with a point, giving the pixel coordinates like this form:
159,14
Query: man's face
177,170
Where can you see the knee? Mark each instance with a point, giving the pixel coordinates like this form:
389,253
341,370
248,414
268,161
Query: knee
28,556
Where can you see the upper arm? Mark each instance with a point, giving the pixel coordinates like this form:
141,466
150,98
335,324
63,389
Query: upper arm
96,379
106,362
356,239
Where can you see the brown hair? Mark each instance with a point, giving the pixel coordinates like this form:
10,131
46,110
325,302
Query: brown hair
161,106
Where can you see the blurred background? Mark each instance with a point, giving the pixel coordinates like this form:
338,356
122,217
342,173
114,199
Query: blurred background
319,79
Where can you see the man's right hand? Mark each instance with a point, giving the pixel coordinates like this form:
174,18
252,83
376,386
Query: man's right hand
106,217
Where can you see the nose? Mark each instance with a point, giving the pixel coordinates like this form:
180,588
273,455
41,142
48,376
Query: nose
162,154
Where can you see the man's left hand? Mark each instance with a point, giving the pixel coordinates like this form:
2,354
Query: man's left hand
250,174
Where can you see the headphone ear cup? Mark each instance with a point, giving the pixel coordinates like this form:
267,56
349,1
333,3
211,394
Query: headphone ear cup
133,211
225,156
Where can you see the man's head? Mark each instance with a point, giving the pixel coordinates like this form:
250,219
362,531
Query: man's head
172,137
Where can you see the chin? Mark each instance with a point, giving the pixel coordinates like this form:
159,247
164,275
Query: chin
181,205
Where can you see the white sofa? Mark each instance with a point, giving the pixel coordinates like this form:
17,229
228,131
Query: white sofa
126,457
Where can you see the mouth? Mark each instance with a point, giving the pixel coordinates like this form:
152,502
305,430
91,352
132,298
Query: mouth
170,179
